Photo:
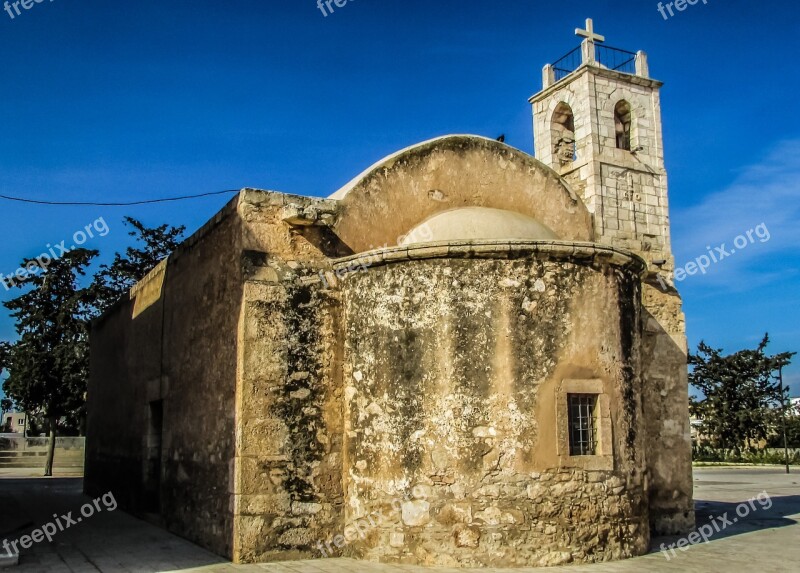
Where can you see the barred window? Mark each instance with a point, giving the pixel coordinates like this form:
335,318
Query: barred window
582,424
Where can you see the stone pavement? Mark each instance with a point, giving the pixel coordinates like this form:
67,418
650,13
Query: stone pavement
767,540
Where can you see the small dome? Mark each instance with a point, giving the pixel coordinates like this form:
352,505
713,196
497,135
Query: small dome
478,223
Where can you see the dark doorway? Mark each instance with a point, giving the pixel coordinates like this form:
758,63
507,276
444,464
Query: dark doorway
152,483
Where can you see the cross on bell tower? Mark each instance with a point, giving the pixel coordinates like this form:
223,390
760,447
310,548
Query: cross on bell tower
588,33
587,46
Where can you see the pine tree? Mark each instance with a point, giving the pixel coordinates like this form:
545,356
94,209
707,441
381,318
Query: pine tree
115,280
740,394
48,364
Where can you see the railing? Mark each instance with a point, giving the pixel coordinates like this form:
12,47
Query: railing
567,63
616,59
606,56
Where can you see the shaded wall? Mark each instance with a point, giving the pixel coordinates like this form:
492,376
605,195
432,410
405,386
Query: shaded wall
212,399
160,427
458,360
666,408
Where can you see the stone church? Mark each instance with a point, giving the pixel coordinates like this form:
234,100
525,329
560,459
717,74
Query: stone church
464,357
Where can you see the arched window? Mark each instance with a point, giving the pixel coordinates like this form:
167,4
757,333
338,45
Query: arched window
622,125
562,131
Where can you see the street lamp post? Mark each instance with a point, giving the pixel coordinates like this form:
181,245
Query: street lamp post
783,418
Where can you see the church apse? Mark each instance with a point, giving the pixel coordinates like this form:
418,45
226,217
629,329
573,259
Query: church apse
467,355
460,361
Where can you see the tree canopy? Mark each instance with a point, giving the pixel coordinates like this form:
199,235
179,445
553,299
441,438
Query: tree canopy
153,245
48,364
740,394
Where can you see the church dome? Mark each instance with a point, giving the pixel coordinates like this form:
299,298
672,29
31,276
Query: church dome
452,173
478,223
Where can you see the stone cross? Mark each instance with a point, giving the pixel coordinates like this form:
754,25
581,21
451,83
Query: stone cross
588,33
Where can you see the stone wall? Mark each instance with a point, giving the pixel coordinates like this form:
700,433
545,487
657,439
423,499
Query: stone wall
125,355
288,467
666,403
456,364
170,352
289,464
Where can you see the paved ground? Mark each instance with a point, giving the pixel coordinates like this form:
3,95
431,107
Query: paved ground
766,540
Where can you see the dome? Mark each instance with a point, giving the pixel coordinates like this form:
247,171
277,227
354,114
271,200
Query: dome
478,223
451,173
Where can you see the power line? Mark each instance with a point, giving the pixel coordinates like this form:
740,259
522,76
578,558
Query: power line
121,204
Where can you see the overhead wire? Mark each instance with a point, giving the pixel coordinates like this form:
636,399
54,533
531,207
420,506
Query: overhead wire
113,204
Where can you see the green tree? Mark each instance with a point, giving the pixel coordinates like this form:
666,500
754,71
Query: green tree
48,364
6,405
740,394
792,432
154,244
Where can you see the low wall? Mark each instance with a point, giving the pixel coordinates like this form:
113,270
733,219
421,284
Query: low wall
792,451
19,452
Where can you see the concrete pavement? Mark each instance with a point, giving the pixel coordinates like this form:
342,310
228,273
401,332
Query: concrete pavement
765,534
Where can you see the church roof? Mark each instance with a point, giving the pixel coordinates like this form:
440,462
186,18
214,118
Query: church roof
498,191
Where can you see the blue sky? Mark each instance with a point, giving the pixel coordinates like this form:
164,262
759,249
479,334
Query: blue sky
115,101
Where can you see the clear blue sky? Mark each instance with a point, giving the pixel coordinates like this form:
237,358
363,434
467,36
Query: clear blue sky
113,101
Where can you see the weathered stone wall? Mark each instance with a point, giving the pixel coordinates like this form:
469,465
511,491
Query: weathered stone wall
202,296
456,361
289,465
173,343
288,470
125,357
666,402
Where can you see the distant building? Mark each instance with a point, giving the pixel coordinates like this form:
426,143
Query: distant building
694,424
13,423
696,427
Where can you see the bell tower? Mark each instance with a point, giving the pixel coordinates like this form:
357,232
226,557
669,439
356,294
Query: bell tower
597,122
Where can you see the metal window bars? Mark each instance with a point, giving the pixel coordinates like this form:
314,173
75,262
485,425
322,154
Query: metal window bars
582,424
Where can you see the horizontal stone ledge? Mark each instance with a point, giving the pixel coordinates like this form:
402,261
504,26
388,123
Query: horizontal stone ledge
568,251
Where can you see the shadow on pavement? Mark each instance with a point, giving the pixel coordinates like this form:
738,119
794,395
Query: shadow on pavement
717,520
109,540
